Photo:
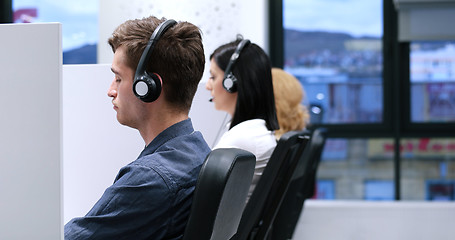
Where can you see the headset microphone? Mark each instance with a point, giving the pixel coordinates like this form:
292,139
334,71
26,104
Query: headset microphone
147,87
230,81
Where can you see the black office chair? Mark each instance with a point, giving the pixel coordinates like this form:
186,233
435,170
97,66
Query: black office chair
220,194
271,187
302,187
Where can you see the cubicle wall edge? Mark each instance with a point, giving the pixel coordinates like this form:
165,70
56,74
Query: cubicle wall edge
30,131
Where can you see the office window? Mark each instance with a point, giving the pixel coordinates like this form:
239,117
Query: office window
335,50
428,168
325,189
432,75
351,163
369,102
79,25
440,190
379,190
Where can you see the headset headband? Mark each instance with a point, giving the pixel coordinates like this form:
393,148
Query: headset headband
230,81
151,44
236,55
147,87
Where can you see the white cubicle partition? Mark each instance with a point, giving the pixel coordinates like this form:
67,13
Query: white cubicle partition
376,220
30,131
95,145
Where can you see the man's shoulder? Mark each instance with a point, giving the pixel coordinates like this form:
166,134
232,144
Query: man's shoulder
177,160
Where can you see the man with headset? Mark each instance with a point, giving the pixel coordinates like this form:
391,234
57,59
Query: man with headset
157,66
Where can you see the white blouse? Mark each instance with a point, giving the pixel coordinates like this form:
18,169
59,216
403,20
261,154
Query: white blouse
253,136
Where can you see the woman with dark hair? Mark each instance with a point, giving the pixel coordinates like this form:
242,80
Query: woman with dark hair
241,84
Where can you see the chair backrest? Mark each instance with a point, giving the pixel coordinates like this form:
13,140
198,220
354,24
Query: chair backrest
301,188
272,185
220,194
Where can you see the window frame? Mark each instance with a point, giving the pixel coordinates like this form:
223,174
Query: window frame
6,11
396,83
350,130
396,123
413,129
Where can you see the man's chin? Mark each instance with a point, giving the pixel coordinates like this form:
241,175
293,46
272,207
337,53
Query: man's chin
124,122
121,120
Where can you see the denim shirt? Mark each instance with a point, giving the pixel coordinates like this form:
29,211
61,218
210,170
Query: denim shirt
150,197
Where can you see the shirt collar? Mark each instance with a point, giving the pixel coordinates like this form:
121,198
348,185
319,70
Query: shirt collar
181,128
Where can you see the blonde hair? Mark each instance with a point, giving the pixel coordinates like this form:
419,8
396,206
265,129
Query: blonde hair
292,114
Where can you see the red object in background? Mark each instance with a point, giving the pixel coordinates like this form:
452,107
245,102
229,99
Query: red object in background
422,145
25,15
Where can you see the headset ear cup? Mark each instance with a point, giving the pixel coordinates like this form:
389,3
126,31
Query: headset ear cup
230,83
157,82
154,83
148,87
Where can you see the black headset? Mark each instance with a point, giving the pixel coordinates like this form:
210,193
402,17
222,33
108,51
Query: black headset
230,81
147,87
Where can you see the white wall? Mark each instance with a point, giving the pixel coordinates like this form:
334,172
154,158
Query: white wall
30,131
360,220
95,145
219,20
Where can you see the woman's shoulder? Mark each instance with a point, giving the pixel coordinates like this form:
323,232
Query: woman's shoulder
252,125
247,135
